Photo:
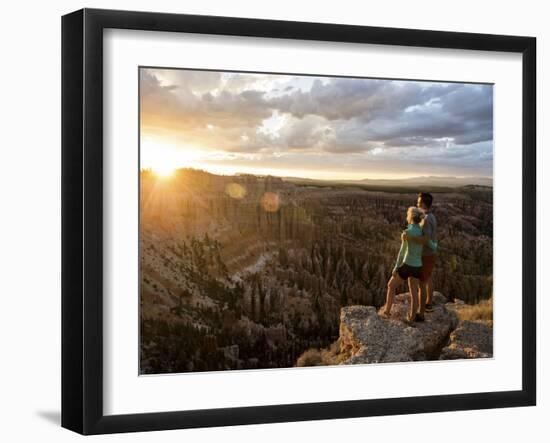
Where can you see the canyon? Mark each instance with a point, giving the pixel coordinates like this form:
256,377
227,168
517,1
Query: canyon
250,272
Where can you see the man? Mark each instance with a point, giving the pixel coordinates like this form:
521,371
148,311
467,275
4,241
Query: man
429,252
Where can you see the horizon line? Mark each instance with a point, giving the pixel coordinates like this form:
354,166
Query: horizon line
149,168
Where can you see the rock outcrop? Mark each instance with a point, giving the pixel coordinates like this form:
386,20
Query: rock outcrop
471,339
366,337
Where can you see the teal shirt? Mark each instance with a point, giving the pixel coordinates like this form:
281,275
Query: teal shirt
410,252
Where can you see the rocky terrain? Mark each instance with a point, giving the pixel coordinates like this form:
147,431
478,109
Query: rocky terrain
365,337
244,271
471,339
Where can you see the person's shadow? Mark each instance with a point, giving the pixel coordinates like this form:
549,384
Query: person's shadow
54,417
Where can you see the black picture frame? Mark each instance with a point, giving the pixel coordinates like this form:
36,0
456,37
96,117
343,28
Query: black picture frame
82,218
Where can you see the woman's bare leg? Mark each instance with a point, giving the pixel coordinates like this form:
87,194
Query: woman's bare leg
413,290
395,281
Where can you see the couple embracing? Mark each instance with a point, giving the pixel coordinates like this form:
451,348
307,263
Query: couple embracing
415,260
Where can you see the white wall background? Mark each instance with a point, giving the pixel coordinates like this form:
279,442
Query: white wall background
30,218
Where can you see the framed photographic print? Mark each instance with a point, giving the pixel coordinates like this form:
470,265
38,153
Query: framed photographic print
269,221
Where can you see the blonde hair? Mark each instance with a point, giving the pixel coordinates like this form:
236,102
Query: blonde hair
414,215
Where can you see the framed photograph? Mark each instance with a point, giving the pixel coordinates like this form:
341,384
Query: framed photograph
270,221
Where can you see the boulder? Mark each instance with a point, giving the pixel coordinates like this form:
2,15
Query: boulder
471,339
366,337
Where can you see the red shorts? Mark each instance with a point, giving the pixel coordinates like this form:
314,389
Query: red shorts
427,267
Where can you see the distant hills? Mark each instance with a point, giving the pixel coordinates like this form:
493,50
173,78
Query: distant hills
433,181
411,182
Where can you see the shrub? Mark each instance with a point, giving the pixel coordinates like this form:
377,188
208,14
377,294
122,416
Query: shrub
322,357
311,357
480,311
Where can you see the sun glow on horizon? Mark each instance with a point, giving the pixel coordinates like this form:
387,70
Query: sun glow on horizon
164,159
163,171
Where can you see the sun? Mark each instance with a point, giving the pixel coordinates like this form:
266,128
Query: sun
163,170
164,158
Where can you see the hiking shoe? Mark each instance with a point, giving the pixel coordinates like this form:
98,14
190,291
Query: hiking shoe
418,317
429,308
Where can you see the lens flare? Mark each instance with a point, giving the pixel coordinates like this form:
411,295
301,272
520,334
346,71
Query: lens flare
270,202
235,190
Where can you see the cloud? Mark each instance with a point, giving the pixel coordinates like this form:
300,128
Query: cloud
177,111
396,113
449,124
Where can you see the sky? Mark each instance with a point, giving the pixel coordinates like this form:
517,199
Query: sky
314,126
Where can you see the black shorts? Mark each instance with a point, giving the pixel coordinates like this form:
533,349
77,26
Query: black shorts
406,271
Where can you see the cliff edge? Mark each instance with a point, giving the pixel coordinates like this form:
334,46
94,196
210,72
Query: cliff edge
365,337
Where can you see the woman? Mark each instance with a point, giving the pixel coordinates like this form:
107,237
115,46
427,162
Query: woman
408,266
